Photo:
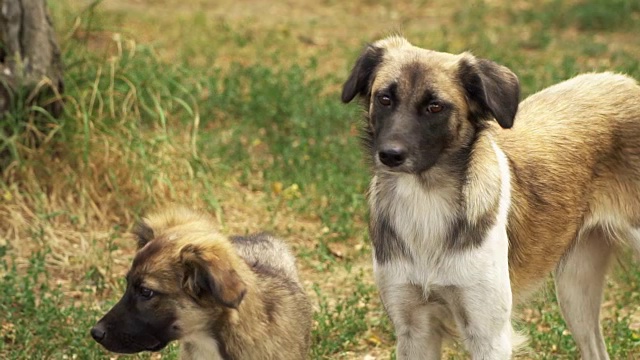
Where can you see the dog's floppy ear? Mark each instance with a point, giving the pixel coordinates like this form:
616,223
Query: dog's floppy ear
492,90
143,233
203,278
359,82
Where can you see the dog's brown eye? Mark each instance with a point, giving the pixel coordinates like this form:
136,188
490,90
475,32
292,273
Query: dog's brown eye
146,293
384,100
434,108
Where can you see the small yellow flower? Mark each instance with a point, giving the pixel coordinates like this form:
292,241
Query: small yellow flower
276,187
374,340
292,192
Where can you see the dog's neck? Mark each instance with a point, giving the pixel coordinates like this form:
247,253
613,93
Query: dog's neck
200,346
466,177
246,327
237,333
431,204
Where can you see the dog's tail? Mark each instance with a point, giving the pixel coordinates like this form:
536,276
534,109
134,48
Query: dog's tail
519,343
634,241
623,235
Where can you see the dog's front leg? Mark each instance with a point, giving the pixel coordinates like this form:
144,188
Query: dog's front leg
484,322
417,323
481,303
482,287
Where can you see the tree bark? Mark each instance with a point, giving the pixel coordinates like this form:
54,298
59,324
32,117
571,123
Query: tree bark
29,56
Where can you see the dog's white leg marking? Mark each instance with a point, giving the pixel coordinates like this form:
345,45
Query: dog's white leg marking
484,302
417,325
579,283
486,322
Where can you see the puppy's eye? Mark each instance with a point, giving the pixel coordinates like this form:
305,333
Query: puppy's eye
384,100
435,107
146,293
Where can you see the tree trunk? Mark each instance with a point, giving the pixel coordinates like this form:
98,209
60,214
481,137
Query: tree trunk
29,56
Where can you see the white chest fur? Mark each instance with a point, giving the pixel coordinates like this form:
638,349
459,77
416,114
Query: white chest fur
422,218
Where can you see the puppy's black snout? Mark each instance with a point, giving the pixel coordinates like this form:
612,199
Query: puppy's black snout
98,333
393,156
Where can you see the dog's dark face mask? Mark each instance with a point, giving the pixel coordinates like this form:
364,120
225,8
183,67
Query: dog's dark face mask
409,130
423,105
146,319
140,321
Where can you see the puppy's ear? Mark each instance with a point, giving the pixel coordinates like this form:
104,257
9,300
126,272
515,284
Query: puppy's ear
207,278
143,233
359,82
491,89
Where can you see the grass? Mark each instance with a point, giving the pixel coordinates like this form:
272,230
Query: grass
33,307
238,113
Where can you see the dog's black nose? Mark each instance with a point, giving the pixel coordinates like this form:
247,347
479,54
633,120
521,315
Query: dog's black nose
393,156
98,333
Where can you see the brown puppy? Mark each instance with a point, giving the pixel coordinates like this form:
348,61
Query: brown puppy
467,217
237,298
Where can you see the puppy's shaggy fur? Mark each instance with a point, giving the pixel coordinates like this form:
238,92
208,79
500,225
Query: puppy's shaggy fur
237,298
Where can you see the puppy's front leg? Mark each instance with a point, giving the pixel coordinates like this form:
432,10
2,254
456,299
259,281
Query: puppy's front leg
417,322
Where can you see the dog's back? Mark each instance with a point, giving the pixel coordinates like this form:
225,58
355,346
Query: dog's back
269,252
281,291
575,152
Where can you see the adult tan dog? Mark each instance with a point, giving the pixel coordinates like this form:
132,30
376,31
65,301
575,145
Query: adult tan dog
465,215
237,298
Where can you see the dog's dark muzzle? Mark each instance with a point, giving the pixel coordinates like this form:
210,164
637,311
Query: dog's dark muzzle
407,156
122,341
124,331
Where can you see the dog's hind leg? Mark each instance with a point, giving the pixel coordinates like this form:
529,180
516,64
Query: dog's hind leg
579,282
